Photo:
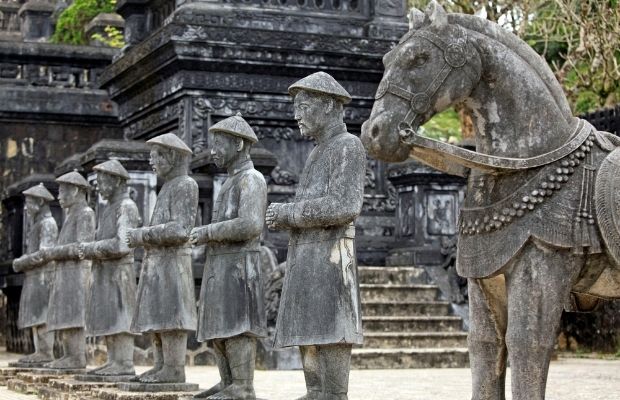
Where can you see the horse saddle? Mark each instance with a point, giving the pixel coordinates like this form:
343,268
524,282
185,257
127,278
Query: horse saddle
607,203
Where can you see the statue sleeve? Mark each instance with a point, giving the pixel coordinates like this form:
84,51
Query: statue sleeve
251,213
183,208
85,232
47,239
115,247
343,203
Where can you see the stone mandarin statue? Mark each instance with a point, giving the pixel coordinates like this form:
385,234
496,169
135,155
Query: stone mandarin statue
166,306
67,310
320,306
231,309
112,295
38,275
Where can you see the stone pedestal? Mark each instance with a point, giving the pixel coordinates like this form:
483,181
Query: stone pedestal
135,16
426,214
36,20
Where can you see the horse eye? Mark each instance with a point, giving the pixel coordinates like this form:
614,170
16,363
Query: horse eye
420,60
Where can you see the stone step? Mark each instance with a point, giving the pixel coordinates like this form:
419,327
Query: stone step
410,358
412,324
387,292
405,308
411,340
19,386
393,275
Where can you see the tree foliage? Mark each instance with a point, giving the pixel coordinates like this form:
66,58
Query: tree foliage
580,39
72,21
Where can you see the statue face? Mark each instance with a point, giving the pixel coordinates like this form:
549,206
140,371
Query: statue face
67,195
161,160
106,184
310,114
33,205
224,150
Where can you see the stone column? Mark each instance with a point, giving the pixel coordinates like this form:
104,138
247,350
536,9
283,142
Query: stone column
134,13
36,20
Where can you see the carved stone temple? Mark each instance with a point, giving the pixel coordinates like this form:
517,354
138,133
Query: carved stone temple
188,65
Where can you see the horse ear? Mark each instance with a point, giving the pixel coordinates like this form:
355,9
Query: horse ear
436,14
416,19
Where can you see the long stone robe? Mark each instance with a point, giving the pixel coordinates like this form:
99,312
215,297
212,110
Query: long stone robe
67,306
166,299
38,277
320,298
231,297
112,294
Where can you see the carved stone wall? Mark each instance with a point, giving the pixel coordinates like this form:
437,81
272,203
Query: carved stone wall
211,59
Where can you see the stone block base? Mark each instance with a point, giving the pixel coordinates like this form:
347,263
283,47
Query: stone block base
104,378
19,386
24,365
157,387
176,391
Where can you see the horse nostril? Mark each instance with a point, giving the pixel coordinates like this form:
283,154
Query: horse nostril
374,132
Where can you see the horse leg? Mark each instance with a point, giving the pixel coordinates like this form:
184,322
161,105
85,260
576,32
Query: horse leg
538,284
487,349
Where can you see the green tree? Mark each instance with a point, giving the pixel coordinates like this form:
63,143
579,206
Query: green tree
72,21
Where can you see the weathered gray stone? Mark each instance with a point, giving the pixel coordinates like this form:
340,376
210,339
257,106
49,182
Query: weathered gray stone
66,312
39,276
231,305
157,387
104,378
111,299
165,303
321,258
36,21
535,223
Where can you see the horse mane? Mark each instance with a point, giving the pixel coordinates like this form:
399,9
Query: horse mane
522,49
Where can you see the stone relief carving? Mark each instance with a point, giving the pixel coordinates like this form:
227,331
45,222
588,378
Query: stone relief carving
283,177
441,213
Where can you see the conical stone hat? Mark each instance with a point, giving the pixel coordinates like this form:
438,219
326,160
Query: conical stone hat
39,191
171,141
74,178
236,126
112,167
321,82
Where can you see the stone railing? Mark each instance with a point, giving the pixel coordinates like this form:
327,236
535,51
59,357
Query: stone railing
28,64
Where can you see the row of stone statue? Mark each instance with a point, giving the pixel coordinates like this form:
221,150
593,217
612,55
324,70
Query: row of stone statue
320,306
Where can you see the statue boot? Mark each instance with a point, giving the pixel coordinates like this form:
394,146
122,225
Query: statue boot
312,373
219,348
120,355
43,346
241,355
174,347
158,359
73,349
335,361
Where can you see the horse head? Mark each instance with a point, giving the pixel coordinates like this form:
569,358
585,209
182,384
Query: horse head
518,107
434,66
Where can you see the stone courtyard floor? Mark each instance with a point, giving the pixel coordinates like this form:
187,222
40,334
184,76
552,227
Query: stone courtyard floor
569,379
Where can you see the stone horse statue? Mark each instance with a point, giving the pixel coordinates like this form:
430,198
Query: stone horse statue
539,227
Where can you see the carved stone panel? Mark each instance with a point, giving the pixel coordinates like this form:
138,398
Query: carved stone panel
441,213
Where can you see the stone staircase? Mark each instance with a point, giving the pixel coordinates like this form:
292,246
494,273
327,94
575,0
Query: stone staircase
405,323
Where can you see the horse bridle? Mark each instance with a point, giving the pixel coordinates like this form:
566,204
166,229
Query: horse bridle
455,56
